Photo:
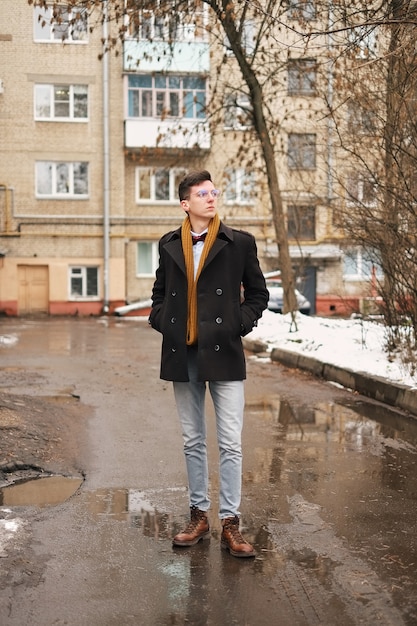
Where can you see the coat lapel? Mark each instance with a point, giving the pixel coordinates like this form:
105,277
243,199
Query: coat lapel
174,247
224,236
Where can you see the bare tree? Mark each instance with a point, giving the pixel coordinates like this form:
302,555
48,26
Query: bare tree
368,59
233,18
230,22
377,76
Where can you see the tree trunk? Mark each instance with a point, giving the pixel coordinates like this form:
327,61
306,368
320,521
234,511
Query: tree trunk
226,16
389,247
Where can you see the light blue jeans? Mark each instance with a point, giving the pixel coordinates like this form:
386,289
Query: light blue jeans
229,401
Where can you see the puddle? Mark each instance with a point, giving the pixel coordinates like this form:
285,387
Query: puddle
134,507
40,492
356,424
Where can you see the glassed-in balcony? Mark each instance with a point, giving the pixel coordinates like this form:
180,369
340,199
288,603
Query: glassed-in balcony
166,110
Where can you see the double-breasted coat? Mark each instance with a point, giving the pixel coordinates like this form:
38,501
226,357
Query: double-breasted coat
231,296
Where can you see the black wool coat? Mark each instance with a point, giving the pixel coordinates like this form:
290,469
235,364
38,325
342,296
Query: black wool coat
231,296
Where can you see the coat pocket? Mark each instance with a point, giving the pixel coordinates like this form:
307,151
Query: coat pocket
155,318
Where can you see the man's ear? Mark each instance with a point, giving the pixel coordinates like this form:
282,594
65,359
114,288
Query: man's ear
184,204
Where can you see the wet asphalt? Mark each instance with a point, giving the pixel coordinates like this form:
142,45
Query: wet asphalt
329,496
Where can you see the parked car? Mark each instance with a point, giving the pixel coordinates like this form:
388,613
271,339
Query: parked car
276,298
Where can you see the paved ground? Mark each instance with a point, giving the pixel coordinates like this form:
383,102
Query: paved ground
330,488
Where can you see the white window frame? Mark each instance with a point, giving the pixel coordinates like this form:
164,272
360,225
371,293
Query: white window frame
188,26
302,148
80,271
302,77
237,112
363,40
360,120
52,32
159,97
302,9
49,91
356,191
239,187
247,39
55,181
174,175
154,258
363,265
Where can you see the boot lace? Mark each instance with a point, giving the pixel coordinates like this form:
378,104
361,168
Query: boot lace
196,517
232,526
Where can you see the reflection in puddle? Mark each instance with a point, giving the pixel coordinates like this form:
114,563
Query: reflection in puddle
40,492
354,425
343,455
133,506
322,484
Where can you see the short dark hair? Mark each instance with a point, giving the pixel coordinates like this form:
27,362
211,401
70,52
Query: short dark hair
190,180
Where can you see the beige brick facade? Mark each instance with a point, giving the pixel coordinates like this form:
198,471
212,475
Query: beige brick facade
64,232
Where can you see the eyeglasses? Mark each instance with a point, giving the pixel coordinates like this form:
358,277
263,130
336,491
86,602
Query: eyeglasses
203,193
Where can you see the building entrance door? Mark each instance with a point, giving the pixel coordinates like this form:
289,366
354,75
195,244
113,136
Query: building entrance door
308,286
33,296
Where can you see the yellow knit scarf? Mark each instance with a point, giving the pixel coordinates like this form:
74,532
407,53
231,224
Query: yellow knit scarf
187,247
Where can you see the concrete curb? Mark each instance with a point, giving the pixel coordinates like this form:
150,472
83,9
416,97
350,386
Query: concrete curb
375,387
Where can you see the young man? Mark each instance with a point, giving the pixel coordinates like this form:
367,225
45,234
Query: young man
208,293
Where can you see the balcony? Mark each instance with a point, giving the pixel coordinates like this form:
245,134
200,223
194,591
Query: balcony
159,56
169,135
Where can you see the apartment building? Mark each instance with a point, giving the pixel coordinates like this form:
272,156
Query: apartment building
92,147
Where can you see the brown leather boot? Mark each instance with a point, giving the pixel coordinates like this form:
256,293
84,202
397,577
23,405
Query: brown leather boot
233,541
197,528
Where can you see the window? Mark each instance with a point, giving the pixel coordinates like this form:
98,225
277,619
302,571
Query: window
301,222
147,258
301,9
360,190
166,96
161,24
83,282
360,119
238,112
158,185
60,24
248,39
239,186
301,151
61,102
362,41
302,75
61,180
360,264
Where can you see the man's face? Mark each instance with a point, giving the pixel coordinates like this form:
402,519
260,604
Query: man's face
202,203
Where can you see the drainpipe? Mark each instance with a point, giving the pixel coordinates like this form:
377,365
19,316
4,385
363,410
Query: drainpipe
330,101
106,164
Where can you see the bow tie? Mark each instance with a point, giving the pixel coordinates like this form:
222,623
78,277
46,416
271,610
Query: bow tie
198,238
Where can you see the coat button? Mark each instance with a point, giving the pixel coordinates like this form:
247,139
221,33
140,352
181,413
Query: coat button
219,320
173,320
216,347
173,293
219,291
173,349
